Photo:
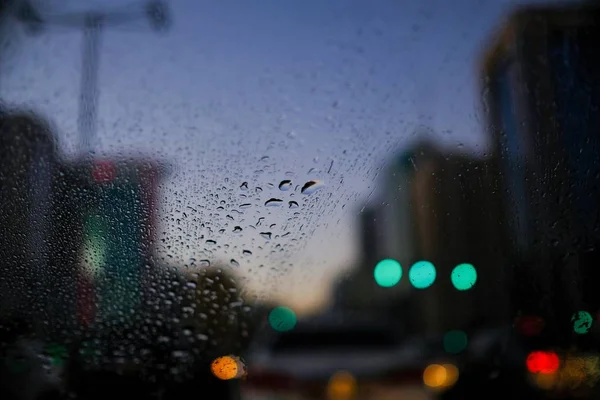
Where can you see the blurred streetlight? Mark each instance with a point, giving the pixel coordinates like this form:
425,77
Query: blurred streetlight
92,23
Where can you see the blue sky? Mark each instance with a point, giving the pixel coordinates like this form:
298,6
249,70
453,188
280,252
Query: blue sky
262,91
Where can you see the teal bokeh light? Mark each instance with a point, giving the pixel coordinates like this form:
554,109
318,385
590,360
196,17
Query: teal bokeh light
464,276
455,341
387,273
582,322
282,319
422,274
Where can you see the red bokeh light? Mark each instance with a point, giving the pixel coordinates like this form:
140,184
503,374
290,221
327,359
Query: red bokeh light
542,362
104,172
529,325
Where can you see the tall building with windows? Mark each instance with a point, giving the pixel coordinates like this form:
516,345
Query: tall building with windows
541,82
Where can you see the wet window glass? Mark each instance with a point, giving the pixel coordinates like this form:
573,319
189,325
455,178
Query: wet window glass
282,199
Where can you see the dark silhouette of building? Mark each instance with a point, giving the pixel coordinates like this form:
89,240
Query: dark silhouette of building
541,84
28,161
456,219
443,208
370,236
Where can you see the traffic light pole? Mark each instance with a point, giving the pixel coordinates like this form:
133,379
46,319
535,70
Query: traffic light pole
93,24
88,97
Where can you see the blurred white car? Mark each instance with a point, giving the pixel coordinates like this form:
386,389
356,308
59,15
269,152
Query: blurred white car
335,361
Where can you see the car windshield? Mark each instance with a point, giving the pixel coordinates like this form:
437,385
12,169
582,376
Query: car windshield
382,182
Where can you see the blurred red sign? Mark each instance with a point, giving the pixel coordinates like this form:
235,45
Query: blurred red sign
104,172
86,307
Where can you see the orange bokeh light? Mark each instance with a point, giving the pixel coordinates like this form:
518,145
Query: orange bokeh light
227,367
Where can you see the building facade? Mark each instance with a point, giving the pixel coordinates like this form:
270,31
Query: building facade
27,165
541,84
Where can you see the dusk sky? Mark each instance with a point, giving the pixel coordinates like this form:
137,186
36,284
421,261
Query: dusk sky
262,91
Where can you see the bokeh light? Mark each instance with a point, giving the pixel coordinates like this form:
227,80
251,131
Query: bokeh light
463,276
342,386
455,341
387,273
57,353
282,319
438,376
529,325
542,362
582,322
422,274
434,376
228,367
451,374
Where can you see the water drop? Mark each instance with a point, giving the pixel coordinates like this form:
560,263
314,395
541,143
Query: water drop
191,285
210,241
247,252
285,185
266,235
312,186
273,202
234,263
204,263
245,205
293,204
237,229
244,186
258,189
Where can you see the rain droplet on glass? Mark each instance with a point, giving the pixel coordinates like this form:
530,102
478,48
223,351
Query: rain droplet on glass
273,202
312,186
285,185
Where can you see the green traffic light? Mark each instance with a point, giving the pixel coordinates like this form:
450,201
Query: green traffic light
422,274
387,273
582,322
282,319
463,276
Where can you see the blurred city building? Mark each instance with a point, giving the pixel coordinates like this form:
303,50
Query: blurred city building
27,165
357,290
457,219
541,85
445,209
104,218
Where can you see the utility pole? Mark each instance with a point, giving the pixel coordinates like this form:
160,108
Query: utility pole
92,24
